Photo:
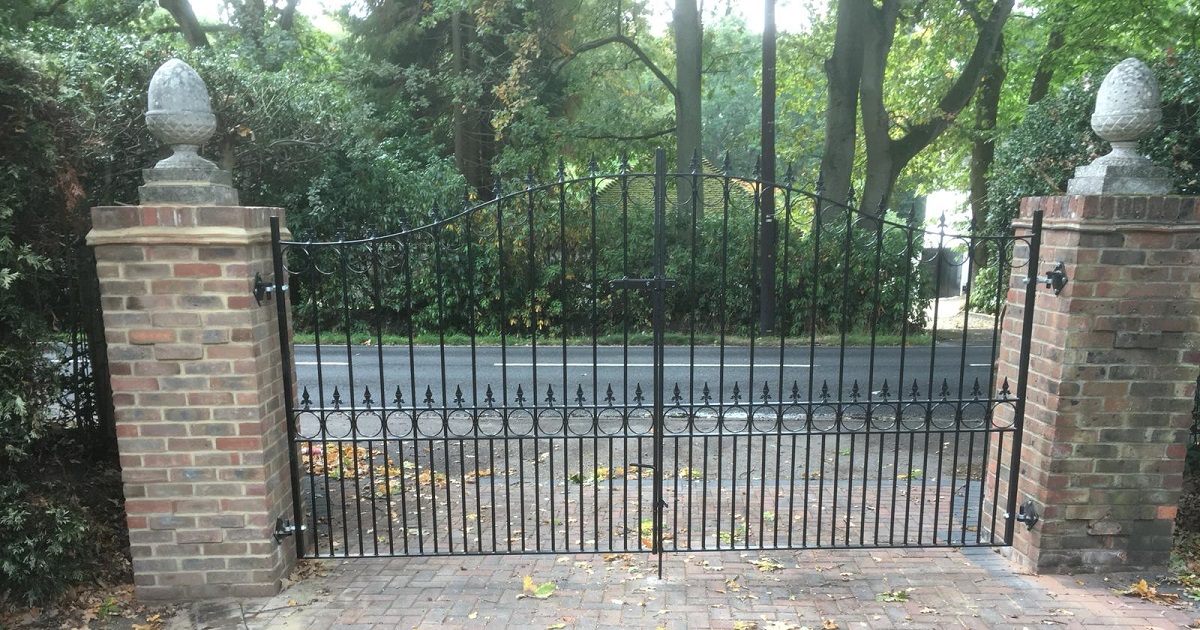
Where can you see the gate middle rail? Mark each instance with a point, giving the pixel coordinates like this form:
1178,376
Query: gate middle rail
584,366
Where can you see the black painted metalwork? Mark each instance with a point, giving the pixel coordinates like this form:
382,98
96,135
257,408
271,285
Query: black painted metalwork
587,366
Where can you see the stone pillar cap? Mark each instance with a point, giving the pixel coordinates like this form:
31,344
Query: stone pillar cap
1127,110
179,114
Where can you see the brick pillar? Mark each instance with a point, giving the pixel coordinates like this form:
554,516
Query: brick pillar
198,392
1112,374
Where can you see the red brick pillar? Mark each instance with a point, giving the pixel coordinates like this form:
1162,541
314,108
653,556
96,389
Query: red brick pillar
198,391
1111,379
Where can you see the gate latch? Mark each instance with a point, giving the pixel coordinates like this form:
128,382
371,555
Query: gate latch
1055,278
1025,514
263,290
284,528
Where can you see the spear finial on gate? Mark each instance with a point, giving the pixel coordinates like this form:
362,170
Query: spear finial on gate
398,400
520,396
367,397
592,165
550,395
736,396
579,398
428,397
562,170
337,398
609,398
726,165
884,394
695,166
489,397
766,393
789,176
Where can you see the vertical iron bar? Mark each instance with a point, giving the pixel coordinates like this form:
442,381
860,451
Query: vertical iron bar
504,409
565,317
880,224
373,275
1014,472
910,228
531,246
406,243
659,314
595,424
344,271
289,398
438,273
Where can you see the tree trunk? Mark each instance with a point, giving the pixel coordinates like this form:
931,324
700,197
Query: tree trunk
1045,69
193,33
983,149
884,166
467,155
843,71
689,42
877,41
287,16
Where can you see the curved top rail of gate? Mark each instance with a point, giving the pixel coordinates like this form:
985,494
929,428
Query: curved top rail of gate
750,185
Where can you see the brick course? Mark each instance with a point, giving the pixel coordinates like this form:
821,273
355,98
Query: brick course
1111,383
197,379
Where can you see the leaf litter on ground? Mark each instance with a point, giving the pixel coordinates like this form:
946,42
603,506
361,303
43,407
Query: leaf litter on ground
1149,593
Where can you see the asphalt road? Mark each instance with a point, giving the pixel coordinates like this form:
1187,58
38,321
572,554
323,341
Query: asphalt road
443,371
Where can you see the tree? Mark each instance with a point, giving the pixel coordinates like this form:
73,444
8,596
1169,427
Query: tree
856,71
685,91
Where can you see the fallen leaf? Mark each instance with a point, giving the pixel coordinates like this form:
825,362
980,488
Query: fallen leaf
767,564
898,595
473,615
829,624
1148,593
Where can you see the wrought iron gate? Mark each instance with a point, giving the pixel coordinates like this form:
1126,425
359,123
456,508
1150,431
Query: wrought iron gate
600,364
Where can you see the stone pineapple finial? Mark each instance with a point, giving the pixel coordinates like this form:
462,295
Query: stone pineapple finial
1127,110
179,114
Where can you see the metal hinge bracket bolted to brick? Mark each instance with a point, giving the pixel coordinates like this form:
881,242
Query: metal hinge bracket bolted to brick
1025,514
1055,278
263,290
285,528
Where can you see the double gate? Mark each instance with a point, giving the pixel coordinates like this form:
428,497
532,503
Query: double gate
648,362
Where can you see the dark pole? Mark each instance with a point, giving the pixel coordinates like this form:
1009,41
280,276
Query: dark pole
767,264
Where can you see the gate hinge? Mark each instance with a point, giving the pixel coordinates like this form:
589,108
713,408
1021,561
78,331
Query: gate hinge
1055,278
1025,514
284,528
263,290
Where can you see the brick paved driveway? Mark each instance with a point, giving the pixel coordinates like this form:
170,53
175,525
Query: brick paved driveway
943,588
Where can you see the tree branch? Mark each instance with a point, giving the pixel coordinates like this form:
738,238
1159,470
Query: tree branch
645,136
181,10
628,43
963,88
50,10
287,15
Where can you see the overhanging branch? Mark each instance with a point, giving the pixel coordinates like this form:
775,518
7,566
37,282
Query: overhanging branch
644,136
628,43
